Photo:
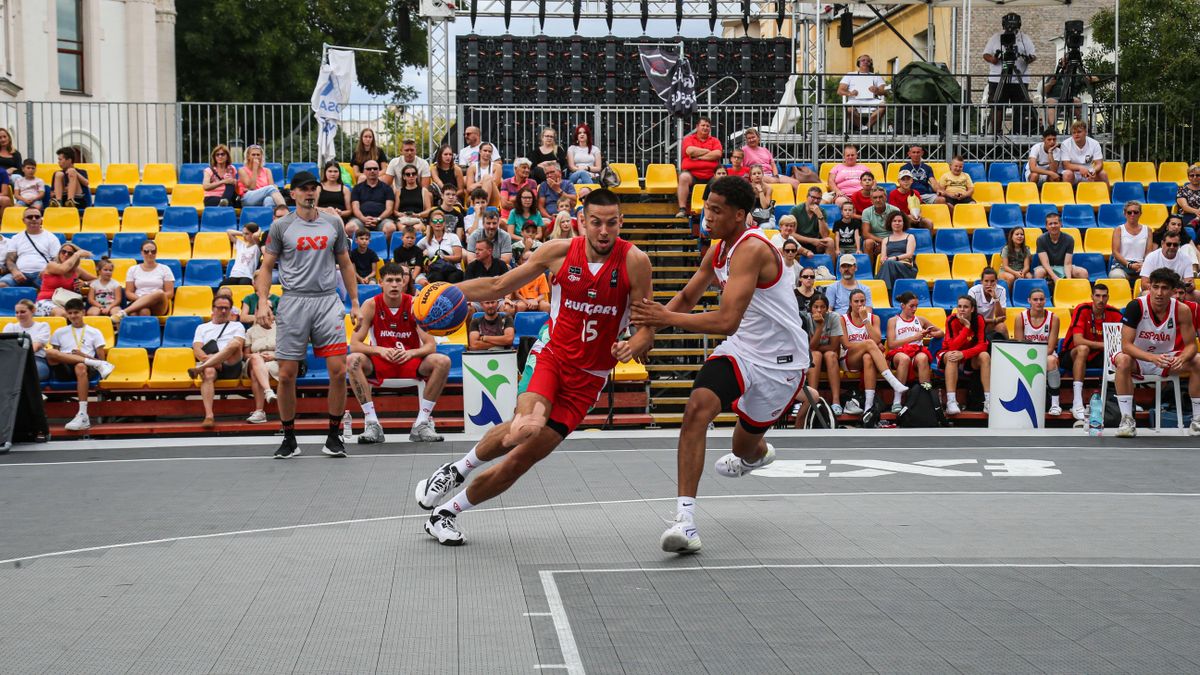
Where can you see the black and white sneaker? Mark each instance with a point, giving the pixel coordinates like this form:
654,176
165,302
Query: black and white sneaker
334,447
287,449
442,526
434,489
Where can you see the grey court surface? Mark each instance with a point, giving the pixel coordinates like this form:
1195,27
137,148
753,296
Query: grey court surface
854,553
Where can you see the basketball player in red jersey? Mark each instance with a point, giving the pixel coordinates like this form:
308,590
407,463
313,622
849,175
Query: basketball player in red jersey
399,350
595,278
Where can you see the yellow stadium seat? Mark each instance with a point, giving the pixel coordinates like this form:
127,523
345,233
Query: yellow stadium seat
458,337
122,174
170,368
932,267
88,265
1173,171
934,315
968,266
988,193
997,262
876,169
1064,318
240,291
1031,235
5,320
823,172
1098,240
1119,293
55,322
46,173
1154,215
628,174
1143,172
102,220
174,245
188,195
105,326
803,188
697,198
160,174
1058,193
1071,292
1093,194
661,179
970,216
141,219
1137,288
1115,174
94,174
1074,233
939,169
1010,320
211,245
893,172
63,220
1022,193
782,194
12,223
939,214
630,372
193,301
121,267
879,292
276,290
132,368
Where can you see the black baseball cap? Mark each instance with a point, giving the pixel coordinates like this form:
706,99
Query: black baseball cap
303,178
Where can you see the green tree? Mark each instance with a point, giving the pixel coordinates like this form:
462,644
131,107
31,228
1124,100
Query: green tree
270,50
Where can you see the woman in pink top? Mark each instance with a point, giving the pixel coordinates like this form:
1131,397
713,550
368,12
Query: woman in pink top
846,178
758,155
220,179
62,272
256,185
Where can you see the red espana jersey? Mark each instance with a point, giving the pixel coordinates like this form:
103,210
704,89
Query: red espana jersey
588,311
390,327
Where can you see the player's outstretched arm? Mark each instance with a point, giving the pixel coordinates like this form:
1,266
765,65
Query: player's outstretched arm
735,297
548,257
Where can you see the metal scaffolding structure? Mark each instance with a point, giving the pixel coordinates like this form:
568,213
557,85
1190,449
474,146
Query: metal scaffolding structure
441,107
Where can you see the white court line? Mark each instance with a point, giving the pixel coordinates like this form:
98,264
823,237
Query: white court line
611,502
562,625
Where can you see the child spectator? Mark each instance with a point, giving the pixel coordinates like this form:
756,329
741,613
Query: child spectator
524,210
847,232
246,252
957,186
29,190
364,258
533,296
474,218
408,253
105,294
77,353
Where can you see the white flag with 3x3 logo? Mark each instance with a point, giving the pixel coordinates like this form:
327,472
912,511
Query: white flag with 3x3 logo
335,82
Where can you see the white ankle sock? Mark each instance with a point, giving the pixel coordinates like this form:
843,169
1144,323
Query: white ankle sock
686,506
83,407
1054,400
426,411
898,386
368,409
1195,409
92,363
951,397
1077,389
987,397
868,399
456,505
468,463
1125,403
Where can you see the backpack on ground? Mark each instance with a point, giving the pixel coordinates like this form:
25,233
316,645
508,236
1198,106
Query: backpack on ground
820,415
922,409
872,415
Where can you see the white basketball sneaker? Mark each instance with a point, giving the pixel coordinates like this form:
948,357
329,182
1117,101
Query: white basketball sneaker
681,537
732,466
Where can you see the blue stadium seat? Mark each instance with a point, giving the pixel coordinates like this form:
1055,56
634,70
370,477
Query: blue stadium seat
128,245
318,372
987,240
1092,262
94,242
924,239
56,384
218,219
787,169
176,267
887,187
1162,193
527,324
203,272
946,292
1035,215
179,331
150,195
259,215
1191,232
140,331
368,291
865,271
1003,173
917,287
1111,215
116,196
951,241
781,211
180,219
379,244
1079,216
506,171
455,353
277,173
296,167
10,295
192,173
1006,216
885,314
818,260
1125,191
62,238
975,170
833,212
1023,287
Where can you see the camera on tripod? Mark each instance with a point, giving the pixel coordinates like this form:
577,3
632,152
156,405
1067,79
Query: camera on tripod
1073,40
1011,23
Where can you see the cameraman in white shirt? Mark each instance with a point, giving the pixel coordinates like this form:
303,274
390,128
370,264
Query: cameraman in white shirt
863,92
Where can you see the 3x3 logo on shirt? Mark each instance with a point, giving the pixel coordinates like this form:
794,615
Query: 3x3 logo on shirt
312,243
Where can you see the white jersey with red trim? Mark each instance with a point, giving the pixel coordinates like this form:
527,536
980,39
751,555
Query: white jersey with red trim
1040,333
770,334
906,328
1157,337
854,332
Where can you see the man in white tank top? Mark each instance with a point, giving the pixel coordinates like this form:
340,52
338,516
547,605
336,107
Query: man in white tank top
759,368
1158,338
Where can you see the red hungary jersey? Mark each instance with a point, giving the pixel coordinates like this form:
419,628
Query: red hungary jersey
390,327
589,309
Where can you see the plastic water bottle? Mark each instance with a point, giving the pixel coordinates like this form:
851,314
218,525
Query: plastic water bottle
1095,416
347,432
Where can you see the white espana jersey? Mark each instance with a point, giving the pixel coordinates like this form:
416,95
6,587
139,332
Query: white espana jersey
770,334
1157,338
906,328
854,332
1039,334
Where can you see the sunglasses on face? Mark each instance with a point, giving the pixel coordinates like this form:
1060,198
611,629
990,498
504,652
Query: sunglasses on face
371,168
32,218
149,251
1132,213
808,276
1168,244
438,220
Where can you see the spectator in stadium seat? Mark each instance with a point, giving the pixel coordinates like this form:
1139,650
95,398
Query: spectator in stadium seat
1015,257
485,174
874,227
1035,320
219,181
28,189
408,157
334,197
786,233
957,186
454,212
217,346
906,335
825,345
702,154
908,201
29,252
1187,247
78,352
965,347
991,299
261,366
764,202
249,311
862,347
555,189
447,175
847,232
1084,341
1169,257
364,258
737,167
811,229
511,186
791,269
445,250
413,202
584,159
924,183
1187,198
471,145
861,200
863,92
1082,157
547,152
373,203
62,272
493,330
491,231
839,293
757,154
38,332
1045,159
533,296
10,157
806,289
70,185
1055,250
149,286
408,253
484,263
105,295
563,227
367,149
1131,243
899,252
246,253
845,179
256,185
524,211
473,218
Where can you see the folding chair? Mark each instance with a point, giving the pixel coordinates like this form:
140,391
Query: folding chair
1112,347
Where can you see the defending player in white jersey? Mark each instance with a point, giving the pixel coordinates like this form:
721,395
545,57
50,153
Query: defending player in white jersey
1158,337
756,371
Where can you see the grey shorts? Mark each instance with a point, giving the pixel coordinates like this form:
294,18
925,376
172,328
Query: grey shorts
302,319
